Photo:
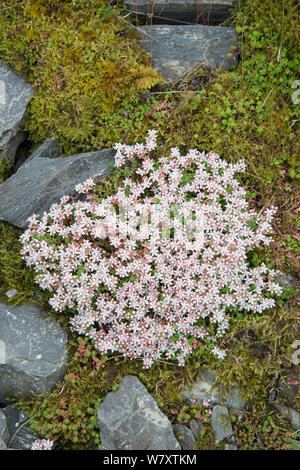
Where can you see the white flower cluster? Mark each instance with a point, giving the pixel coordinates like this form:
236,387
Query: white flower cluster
42,444
153,267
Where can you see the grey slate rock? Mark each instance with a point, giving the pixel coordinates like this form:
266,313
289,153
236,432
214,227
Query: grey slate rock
35,351
4,436
184,436
284,396
221,423
41,182
272,395
49,149
20,435
196,426
292,415
289,392
177,48
205,11
129,419
205,388
14,97
288,280
11,293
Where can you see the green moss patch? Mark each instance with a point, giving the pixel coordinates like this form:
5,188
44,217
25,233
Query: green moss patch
84,67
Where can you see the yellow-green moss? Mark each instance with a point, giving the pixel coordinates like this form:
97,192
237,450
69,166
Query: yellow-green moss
83,66
13,271
207,441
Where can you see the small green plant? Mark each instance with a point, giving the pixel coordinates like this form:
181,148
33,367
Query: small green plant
252,433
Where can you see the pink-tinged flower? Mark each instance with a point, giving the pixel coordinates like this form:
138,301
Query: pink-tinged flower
206,402
292,382
42,444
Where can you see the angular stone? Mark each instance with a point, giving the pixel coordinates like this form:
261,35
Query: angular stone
44,181
204,11
292,415
35,351
184,436
20,435
196,427
129,419
288,280
49,149
221,423
206,389
177,48
4,436
290,391
11,293
14,97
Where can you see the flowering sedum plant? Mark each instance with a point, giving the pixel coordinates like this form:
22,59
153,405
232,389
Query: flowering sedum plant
155,268
42,444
